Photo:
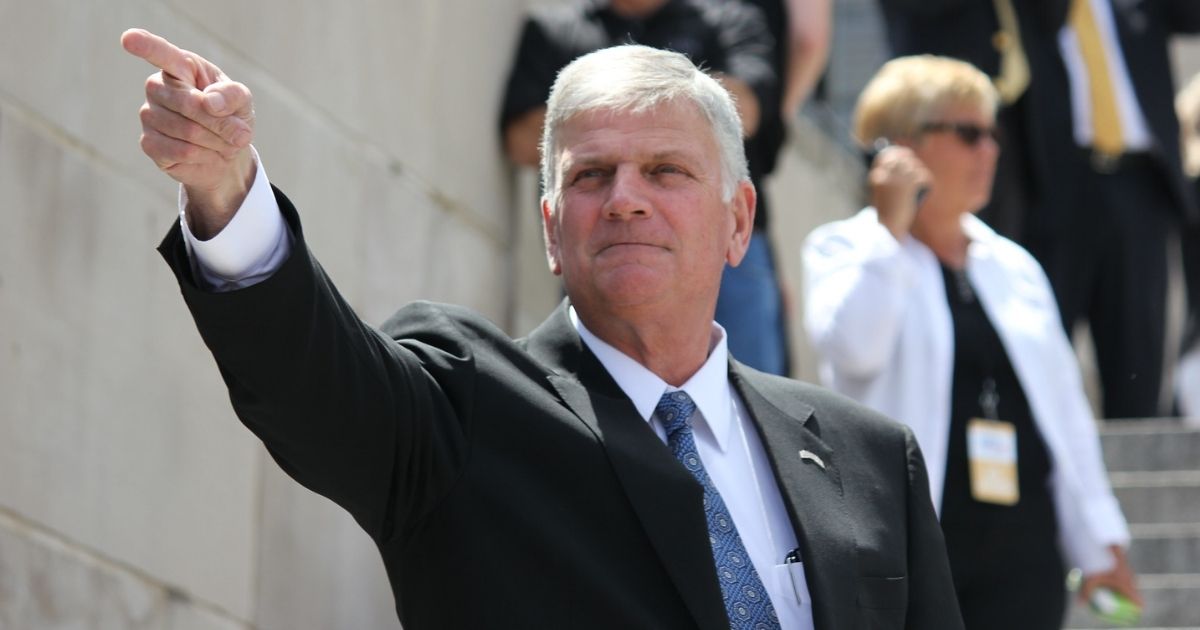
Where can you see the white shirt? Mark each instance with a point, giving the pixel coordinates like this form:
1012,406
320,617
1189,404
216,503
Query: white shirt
733,457
256,242
249,249
1135,130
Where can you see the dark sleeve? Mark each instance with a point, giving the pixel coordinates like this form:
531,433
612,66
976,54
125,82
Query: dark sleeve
1182,16
931,591
748,49
345,410
535,66
926,7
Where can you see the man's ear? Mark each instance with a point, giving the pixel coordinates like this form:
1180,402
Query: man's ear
550,235
743,205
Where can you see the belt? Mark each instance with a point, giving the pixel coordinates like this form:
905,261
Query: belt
1109,163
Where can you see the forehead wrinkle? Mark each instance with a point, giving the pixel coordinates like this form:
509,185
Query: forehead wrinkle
572,158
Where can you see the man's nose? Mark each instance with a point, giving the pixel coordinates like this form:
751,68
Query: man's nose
627,197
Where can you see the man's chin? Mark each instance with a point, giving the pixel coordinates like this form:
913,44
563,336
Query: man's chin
632,285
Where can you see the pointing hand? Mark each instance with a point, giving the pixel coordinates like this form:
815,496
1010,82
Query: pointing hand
197,125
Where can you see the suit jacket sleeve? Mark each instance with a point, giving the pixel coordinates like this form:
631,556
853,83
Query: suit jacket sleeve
1182,16
929,570
925,7
1053,12
346,411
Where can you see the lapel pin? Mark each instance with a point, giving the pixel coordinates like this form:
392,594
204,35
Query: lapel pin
812,457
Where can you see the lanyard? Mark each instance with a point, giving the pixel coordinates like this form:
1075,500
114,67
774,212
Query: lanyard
989,398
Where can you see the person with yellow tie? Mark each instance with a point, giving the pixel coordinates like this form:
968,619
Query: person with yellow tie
1090,177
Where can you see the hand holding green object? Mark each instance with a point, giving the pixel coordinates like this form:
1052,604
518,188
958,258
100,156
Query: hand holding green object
1114,608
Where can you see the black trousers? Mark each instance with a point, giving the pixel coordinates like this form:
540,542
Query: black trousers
1007,581
1110,269
1190,246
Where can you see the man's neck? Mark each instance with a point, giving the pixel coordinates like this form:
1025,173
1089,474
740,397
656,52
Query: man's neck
673,348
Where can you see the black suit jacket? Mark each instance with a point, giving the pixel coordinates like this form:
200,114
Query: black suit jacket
964,29
511,484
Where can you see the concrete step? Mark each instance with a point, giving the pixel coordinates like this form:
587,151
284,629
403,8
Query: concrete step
1165,548
1154,468
1159,497
1149,445
1172,601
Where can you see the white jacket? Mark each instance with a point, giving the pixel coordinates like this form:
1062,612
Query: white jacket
876,311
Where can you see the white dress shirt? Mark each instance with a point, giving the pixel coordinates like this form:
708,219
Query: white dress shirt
733,456
1135,130
256,242
249,249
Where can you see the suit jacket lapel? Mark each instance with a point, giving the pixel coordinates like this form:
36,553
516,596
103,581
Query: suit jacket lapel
812,492
667,500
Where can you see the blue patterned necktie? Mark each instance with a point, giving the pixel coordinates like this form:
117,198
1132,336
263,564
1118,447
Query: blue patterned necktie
746,599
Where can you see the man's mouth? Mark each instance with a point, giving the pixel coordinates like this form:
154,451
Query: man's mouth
629,245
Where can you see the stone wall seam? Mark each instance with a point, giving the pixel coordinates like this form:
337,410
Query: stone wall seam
68,142
43,536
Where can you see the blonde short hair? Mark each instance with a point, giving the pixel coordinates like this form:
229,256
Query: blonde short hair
908,92
1187,105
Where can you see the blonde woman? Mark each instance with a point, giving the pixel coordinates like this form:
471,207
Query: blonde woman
920,310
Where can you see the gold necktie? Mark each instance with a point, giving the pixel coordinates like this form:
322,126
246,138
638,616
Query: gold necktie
1014,66
1106,123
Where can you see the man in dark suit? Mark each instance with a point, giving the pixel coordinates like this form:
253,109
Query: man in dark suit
615,469
1096,212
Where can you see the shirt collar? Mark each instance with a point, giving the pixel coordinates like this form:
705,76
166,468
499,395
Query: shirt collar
708,387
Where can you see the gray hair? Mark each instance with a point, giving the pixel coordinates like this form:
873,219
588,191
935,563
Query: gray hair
636,79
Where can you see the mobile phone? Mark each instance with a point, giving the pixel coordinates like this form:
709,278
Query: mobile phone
874,149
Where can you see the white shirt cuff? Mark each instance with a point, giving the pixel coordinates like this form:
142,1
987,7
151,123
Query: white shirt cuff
249,249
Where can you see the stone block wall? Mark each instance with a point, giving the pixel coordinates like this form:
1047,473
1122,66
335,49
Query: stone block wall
130,496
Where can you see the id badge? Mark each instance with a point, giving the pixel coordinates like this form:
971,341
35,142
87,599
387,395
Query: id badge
992,457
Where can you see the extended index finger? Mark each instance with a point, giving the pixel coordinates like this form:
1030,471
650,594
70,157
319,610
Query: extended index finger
160,53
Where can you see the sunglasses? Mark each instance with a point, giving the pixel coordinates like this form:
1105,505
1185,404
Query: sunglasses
969,133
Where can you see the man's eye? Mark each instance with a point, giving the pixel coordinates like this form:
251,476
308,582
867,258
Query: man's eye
588,173
668,169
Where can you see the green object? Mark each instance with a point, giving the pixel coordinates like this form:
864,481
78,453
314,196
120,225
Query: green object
1114,608
1108,605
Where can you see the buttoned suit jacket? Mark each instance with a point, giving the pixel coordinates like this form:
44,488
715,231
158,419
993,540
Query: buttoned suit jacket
965,29
511,484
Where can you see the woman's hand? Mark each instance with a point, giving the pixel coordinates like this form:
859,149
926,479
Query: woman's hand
1119,578
896,180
